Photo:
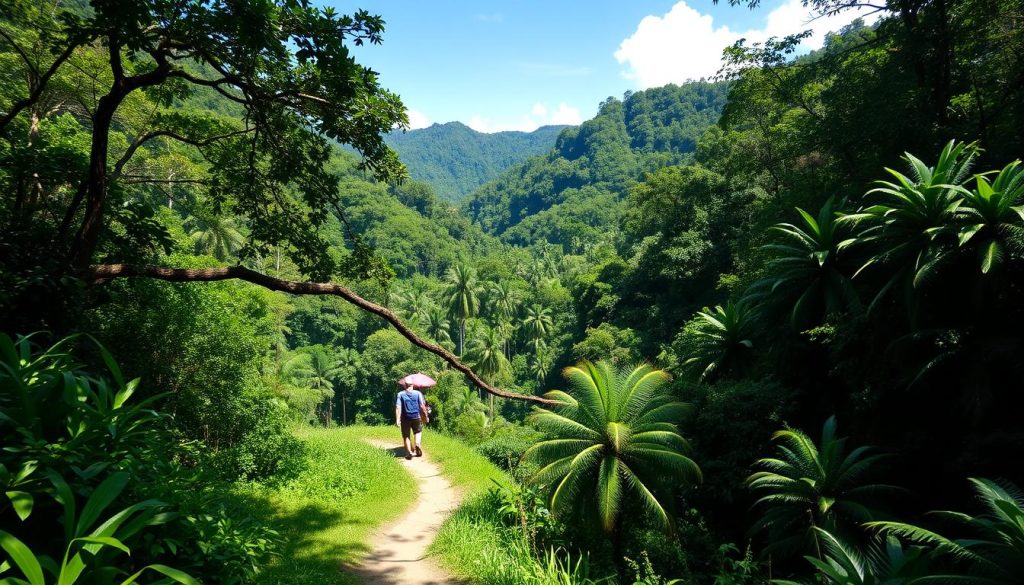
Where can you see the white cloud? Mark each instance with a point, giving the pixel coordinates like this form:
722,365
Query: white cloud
540,115
565,114
685,44
417,119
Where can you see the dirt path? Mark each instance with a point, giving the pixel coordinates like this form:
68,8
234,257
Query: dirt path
398,550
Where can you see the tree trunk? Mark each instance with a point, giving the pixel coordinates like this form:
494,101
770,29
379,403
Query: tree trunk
96,181
344,413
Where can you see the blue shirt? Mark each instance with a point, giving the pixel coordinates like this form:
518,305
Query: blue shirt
410,401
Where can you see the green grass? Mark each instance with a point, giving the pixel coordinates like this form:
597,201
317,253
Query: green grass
327,512
467,470
348,488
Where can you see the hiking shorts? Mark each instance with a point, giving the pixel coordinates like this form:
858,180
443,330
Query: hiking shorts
413,424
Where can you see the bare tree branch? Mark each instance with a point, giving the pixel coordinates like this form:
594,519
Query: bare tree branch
146,137
102,272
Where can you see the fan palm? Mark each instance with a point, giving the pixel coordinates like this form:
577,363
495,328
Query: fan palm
614,437
716,340
994,551
804,271
913,227
992,214
463,297
808,486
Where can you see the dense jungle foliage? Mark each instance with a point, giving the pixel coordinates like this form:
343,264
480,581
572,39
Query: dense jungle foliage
782,307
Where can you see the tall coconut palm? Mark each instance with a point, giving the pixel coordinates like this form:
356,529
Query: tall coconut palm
502,301
214,235
313,368
804,272
717,339
438,327
413,305
463,297
537,323
808,486
913,227
343,372
614,437
540,362
487,357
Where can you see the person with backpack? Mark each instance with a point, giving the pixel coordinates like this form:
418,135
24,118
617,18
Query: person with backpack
410,416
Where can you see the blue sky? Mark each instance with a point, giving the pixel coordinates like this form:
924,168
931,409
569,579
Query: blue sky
517,65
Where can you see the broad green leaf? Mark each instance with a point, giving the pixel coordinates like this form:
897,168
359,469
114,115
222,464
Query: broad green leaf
22,558
102,497
22,502
172,573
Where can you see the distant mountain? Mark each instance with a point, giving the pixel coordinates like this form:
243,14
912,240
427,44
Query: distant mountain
454,159
571,194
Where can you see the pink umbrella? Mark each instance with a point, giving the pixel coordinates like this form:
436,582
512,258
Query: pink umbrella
418,380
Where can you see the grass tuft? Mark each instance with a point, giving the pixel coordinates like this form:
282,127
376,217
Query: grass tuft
327,512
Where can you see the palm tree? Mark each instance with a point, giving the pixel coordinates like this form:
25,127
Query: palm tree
885,561
313,368
463,290
992,213
717,340
438,326
804,273
502,301
994,549
537,323
614,437
214,235
413,305
913,227
808,486
488,359
343,372
540,362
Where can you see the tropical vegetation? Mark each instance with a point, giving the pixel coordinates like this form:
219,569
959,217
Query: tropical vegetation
198,282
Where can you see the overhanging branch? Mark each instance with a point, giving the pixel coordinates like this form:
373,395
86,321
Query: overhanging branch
102,272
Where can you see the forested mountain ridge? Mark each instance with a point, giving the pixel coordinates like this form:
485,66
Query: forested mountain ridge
570,195
454,159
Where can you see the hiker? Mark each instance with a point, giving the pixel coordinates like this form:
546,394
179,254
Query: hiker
410,415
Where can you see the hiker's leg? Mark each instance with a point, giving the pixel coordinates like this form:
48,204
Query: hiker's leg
406,432
419,439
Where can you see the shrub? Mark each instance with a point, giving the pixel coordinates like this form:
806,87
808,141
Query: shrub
77,446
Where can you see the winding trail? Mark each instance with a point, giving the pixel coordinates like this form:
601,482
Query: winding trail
398,554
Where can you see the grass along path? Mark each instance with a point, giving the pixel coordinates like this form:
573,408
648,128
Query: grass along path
327,513
398,553
473,543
